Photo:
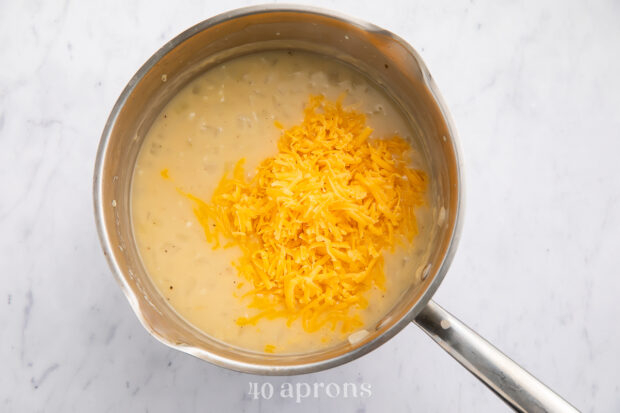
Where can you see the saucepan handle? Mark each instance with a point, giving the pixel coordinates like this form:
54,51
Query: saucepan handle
518,388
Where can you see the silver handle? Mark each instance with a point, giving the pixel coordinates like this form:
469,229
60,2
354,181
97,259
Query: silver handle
518,388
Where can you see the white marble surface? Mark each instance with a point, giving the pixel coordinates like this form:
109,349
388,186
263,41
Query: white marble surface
535,93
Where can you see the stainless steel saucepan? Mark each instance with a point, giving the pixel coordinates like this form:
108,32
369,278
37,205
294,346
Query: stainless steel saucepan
394,66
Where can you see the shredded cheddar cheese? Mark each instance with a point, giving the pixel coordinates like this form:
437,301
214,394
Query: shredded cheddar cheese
315,219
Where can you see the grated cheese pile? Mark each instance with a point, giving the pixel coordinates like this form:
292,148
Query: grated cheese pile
314,220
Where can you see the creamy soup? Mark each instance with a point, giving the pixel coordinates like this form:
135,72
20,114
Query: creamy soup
225,114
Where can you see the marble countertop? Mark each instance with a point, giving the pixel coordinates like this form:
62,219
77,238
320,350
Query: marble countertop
535,93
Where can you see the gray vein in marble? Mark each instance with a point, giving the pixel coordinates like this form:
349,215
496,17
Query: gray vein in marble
36,383
111,334
26,321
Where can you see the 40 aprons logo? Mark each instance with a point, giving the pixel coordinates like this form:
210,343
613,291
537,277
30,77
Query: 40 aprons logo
301,390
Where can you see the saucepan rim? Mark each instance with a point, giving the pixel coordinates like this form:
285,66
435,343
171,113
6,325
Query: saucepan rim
258,368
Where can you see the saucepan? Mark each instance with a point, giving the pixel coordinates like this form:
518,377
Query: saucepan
395,67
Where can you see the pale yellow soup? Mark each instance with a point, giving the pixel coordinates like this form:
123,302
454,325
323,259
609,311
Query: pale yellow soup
225,114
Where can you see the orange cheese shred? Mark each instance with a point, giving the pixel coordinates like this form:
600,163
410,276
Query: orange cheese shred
315,219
